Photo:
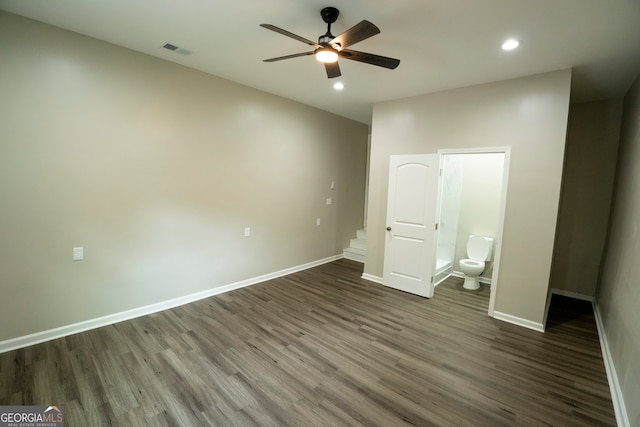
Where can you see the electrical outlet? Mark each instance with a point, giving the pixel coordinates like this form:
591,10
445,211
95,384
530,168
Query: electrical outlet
247,231
78,253
329,201
317,221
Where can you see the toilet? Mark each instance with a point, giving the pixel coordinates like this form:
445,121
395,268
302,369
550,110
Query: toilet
479,250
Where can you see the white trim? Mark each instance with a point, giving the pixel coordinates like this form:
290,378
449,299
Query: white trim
497,255
63,331
570,294
539,327
474,150
372,278
617,398
483,280
366,181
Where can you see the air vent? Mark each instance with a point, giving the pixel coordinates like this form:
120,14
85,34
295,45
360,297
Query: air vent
176,49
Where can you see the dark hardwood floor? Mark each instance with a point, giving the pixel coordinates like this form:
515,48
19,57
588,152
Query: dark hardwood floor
322,347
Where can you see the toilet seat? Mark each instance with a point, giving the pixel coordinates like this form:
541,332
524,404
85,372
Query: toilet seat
472,263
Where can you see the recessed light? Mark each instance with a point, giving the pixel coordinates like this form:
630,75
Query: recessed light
510,44
338,86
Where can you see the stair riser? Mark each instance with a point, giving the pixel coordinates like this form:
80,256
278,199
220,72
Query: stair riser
358,244
353,256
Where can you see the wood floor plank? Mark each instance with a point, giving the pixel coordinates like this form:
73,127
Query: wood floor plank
322,347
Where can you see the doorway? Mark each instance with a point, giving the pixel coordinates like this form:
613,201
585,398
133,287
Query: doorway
472,199
415,220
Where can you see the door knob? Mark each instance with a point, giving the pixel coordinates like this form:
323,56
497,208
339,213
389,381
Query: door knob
388,228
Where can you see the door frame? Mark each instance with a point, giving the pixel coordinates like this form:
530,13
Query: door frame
503,206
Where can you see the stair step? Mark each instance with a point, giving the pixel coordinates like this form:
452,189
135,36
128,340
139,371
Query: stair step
356,251
357,247
358,243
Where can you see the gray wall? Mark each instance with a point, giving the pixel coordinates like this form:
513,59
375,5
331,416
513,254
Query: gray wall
529,115
587,188
618,294
155,169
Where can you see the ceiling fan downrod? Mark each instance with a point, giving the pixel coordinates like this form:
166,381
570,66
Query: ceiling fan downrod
329,15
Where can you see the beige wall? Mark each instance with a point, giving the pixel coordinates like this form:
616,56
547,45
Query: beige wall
155,169
587,188
528,114
618,294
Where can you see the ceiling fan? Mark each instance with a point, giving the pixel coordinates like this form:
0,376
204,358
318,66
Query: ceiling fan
329,48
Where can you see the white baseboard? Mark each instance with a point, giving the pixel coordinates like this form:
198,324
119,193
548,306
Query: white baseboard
539,327
483,280
570,294
372,278
622,418
63,331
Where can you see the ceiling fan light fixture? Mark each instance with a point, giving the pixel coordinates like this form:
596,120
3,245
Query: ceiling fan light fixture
326,54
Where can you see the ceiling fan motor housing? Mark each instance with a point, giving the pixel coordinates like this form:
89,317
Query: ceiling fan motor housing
329,14
326,40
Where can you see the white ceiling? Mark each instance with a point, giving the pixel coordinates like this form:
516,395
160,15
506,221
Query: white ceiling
442,44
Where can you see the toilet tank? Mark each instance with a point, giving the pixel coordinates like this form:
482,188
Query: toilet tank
480,248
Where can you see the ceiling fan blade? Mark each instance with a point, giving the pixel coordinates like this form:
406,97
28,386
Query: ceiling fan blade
370,58
288,34
280,58
333,69
357,33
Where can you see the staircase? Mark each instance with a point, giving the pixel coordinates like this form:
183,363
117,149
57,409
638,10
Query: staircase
357,247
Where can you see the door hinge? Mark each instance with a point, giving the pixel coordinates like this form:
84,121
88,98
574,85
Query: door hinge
431,279
436,226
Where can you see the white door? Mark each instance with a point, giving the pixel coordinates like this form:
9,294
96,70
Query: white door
409,250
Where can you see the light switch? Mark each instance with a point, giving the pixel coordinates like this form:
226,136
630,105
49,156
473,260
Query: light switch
317,221
329,201
247,231
78,253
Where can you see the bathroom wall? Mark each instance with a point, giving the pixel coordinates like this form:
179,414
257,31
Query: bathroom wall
529,114
480,202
